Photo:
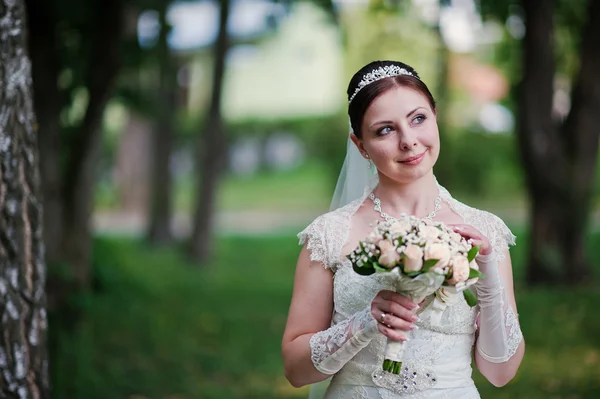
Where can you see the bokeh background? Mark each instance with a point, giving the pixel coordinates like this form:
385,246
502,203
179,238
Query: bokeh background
184,144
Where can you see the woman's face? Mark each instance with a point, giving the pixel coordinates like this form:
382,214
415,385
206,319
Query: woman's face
400,135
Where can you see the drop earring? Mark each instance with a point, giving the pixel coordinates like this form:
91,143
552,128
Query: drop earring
370,164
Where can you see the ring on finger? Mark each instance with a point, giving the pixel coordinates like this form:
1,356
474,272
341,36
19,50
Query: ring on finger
382,320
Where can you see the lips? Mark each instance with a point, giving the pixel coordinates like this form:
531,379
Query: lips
414,160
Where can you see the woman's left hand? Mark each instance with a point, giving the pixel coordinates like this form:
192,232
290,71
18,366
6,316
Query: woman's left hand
476,238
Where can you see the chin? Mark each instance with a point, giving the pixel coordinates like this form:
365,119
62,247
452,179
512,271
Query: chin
403,174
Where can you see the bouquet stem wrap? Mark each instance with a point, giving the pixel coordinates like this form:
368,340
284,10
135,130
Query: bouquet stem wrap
417,289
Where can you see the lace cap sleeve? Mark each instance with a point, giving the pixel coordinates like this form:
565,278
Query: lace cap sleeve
499,234
315,238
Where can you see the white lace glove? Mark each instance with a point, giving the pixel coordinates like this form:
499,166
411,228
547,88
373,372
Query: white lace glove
500,333
333,348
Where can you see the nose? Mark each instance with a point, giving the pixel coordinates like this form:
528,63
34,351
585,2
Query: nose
407,141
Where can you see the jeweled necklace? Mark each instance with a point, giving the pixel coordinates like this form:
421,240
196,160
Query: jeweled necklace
437,206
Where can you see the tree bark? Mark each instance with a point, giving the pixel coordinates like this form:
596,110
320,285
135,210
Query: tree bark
24,365
161,183
559,160
80,174
211,150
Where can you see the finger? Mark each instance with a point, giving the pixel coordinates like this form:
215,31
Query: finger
398,311
391,320
392,334
403,301
465,231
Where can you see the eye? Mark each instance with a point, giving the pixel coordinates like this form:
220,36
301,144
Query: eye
419,119
384,130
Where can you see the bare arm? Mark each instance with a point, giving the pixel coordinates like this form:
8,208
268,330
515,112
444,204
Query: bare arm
500,370
310,312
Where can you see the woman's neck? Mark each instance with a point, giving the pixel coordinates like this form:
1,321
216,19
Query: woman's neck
415,198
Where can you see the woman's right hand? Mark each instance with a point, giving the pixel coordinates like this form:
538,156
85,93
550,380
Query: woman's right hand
394,314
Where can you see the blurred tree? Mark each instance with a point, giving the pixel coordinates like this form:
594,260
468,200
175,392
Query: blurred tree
559,156
559,171
75,51
23,357
211,150
161,182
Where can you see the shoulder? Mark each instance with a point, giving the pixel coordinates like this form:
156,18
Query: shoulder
325,236
489,224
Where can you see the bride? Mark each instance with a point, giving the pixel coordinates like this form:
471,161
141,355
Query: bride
339,321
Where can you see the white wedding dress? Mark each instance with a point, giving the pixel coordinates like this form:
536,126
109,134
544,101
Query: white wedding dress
437,359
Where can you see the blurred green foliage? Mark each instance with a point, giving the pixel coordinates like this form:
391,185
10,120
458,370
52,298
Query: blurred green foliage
158,327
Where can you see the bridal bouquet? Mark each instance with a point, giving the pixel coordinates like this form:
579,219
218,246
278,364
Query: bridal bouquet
419,256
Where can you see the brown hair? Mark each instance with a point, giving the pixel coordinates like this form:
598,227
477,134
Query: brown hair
359,104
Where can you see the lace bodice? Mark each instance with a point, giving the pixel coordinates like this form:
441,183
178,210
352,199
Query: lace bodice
442,344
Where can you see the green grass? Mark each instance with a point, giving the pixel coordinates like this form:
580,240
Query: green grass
160,327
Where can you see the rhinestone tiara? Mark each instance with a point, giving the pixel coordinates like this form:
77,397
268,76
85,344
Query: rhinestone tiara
387,71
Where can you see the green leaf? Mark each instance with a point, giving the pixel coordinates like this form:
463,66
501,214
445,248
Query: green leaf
380,269
475,273
470,297
429,264
473,253
413,274
365,270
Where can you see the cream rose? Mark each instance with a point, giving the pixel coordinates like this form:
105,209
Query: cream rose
438,251
460,269
413,261
455,237
430,233
388,256
400,227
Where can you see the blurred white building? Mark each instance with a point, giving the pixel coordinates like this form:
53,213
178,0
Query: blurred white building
288,71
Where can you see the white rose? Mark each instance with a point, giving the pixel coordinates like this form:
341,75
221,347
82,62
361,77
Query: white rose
430,232
438,251
400,227
460,270
388,257
413,261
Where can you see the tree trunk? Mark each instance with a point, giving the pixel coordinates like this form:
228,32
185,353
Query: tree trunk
80,173
24,365
444,168
580,134
559,161
45,69
211,150
161,183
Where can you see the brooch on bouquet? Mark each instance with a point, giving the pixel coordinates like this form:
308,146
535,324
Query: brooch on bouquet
419,257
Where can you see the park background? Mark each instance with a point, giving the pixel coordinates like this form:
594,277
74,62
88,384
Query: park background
179,160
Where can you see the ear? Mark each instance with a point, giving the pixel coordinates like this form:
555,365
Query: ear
359,144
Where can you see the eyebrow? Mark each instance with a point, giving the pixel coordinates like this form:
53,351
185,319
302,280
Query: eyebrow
390,122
